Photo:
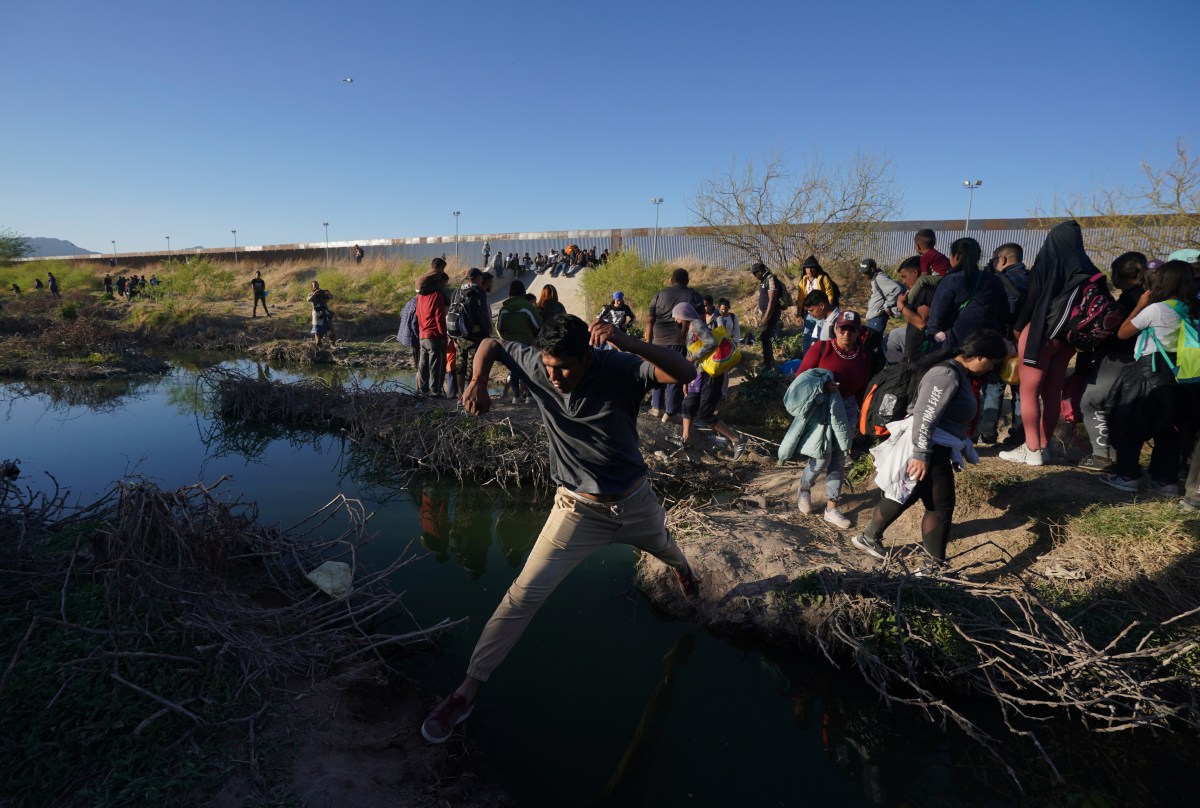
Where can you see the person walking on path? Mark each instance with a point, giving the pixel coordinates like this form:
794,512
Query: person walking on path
431,330
549,305
589,401
664,331
884,292
479,319
847,358
618,312
918,462
259,287
322,316
704,393
518,321
770,295
1060,267
487,252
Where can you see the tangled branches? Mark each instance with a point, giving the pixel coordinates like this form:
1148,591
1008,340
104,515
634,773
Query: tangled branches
1005,642
401,433
173,614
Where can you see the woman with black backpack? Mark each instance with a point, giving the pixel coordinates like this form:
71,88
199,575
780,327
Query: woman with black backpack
917,463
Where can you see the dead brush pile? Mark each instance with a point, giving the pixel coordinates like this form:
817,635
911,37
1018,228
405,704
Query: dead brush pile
403,433
154,622
75,349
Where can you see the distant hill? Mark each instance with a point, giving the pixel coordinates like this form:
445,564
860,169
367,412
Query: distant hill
48,247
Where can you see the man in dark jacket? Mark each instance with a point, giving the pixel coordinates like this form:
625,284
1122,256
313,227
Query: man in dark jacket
769,289
966,300
474,298
663,330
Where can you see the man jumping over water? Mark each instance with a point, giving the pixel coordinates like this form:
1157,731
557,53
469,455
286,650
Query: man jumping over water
589,401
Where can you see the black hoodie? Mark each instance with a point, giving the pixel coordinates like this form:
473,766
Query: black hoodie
1060,266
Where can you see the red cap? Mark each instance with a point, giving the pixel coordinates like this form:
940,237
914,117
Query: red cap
848,319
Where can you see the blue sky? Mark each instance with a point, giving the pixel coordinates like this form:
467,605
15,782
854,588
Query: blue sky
131,121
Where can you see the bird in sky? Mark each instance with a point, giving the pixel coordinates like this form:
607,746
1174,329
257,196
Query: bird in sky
347,80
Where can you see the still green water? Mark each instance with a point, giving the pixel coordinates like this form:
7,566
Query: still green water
604,701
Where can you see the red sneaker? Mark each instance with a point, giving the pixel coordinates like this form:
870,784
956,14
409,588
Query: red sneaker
445,717
689,582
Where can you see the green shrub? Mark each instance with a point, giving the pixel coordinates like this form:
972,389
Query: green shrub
625,272
197,278
68,311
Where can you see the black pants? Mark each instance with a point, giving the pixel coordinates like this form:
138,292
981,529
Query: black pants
767,335
936,493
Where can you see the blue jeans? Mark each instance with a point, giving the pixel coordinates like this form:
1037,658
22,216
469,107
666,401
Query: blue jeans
810,325
669,397
834,466
878,323
993,402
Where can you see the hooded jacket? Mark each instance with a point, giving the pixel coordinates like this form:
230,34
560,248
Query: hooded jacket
965,304
1061,266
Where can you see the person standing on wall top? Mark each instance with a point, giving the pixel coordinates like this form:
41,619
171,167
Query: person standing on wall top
589,402
769,297
259,288
664,331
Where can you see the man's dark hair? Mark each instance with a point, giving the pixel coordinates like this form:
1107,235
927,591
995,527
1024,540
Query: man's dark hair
1127,269
679,277
724,302
758,268
925,239
473,273
487,276
565,336
912,262
1014,252
707,300
438,264
815,298
516,289
987,344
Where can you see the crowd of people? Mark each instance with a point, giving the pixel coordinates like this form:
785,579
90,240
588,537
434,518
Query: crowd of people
1053,336
567,262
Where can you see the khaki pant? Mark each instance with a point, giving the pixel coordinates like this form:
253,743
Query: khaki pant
575,529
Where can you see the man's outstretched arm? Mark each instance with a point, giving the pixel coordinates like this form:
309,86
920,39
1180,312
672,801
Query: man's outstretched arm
475,398
669,366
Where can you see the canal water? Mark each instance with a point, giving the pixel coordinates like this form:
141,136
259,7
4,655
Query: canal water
605,701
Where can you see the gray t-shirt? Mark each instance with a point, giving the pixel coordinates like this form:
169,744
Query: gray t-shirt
593,431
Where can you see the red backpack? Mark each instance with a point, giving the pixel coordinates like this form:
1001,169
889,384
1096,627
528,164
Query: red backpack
1089,314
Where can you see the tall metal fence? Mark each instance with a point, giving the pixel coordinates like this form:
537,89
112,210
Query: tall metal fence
888,245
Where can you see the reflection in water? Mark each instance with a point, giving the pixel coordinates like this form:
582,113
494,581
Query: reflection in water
628,785
471,532
109,395
435,525
513,533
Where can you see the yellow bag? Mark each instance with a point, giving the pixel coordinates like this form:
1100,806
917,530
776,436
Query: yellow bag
1010,369
725,357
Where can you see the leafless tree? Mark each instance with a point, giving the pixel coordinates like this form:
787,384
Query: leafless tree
770,212
1158,215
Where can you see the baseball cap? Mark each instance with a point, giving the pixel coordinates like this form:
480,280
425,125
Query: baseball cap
618,295
757,267
866,265
848,319
1191,256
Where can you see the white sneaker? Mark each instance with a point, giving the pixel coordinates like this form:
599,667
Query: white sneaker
836,518
804,500
1023,454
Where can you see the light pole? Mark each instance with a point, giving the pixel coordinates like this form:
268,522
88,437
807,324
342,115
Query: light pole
168,248
970,186
655,201
114,253
235,255
457,213
326,241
